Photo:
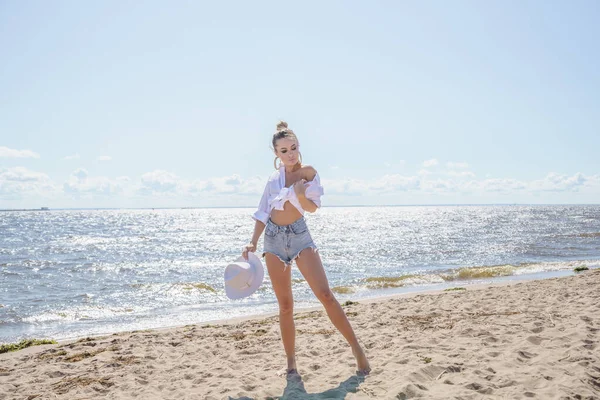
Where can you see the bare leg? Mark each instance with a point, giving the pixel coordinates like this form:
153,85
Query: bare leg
282,285
309,264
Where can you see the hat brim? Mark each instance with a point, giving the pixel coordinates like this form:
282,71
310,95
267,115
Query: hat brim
259,274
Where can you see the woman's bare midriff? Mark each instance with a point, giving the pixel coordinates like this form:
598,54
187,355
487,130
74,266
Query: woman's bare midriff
288,215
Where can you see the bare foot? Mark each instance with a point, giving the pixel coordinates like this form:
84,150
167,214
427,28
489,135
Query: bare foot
291,366
287,372
361,362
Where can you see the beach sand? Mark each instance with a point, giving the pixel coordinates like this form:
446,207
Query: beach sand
534,339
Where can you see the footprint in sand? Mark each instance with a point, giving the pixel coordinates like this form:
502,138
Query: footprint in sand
524,355
410,391
479,388
589,344
535,340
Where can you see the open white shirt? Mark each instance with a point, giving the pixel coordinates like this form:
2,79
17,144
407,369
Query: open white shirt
276,194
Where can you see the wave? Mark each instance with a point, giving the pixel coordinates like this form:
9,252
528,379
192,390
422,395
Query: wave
463,274
480,272
591,234
384,282
494,271
343,289
175,286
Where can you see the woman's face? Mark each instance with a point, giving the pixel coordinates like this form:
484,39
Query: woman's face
287,151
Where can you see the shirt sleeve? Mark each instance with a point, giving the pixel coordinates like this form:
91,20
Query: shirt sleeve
262,213
314,190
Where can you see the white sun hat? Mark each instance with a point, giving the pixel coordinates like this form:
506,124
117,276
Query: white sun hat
243,277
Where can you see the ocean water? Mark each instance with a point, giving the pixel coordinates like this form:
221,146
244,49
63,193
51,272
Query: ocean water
73,273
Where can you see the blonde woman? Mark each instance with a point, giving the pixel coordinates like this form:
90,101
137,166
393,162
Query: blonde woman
290,191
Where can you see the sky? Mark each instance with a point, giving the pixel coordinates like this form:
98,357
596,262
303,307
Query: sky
174,104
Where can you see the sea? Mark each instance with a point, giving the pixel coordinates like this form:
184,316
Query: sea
66,274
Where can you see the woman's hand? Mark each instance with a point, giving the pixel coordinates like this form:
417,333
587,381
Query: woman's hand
300,187
249,247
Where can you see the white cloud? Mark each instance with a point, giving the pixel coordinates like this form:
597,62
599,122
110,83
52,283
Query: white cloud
430,163
439,186
104,158
12,153
558,183
347,187
383,185
493,185
22,174
167,183
592,181
460,181
394,183
19,181
80,184
457,165
424,172
80,173
20,185
234,184
73,157
159,181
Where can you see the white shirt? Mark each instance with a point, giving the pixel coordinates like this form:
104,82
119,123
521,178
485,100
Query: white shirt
276,194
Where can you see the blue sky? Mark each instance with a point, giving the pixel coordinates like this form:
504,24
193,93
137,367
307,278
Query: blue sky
169,104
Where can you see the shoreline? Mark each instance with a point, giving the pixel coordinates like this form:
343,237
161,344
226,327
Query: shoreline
411,292
399,292
535,338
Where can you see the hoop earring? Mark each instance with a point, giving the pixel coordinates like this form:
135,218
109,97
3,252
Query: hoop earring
275,163
300,157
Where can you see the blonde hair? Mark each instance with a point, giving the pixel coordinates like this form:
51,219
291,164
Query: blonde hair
283,132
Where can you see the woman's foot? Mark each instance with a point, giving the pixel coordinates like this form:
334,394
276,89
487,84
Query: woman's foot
291,366
290,370
361,362
287,372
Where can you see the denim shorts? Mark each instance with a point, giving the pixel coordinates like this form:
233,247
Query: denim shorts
287,241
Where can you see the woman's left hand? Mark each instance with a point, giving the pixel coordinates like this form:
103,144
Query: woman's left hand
300,188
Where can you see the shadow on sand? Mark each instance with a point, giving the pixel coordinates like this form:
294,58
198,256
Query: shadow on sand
295,390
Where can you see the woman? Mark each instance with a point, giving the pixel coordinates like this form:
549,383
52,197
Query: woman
291,190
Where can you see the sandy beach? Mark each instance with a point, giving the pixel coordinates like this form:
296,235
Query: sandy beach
534,339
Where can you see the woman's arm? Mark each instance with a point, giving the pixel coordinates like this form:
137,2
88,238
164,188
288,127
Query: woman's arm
261,216
300,189
307,205
259,227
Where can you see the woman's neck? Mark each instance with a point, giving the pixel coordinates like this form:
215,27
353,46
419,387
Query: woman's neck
293,168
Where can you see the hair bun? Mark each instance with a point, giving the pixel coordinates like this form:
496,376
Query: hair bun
281,126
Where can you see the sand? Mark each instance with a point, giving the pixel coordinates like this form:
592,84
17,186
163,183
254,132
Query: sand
534,339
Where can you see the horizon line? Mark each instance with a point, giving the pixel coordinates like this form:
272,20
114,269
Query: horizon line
330,206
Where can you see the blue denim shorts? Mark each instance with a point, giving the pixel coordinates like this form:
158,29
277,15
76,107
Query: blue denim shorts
287,241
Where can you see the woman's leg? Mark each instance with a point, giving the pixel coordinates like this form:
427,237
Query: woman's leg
309,264
281,279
